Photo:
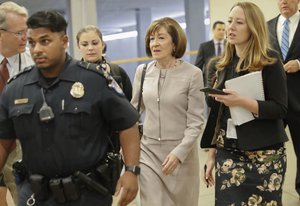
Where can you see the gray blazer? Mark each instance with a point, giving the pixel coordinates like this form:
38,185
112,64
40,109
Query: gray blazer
180,116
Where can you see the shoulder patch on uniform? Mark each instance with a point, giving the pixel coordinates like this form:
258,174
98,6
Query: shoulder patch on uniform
26,69
90,66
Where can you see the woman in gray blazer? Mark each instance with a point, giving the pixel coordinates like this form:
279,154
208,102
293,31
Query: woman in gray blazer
173,106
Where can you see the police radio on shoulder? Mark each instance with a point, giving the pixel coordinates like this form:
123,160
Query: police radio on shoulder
133,168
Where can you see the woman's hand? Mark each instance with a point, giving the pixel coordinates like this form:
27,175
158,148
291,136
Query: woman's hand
234,99
170,164
231,99
207,174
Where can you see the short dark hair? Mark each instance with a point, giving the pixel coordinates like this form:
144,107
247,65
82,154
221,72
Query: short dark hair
175,31
51,19
216,23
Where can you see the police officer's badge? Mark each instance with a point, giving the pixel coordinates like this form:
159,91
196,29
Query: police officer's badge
77,90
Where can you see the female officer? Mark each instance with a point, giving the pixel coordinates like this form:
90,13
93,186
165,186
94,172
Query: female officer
91,44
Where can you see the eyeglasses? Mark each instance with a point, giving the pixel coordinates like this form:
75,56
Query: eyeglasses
17,33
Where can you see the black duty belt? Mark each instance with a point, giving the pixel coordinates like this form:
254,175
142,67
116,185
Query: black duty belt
65,189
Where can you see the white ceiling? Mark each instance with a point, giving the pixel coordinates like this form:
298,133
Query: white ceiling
114,14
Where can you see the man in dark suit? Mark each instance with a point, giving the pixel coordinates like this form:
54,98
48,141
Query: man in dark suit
291,60
211,48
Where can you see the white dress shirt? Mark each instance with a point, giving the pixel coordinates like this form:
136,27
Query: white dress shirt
18,62
293,23
216,46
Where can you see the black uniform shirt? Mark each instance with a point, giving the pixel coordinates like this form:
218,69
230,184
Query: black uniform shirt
76,139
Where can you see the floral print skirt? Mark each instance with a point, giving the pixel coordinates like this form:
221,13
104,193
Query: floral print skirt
246,178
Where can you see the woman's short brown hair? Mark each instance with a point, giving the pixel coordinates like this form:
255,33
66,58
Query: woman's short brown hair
175,31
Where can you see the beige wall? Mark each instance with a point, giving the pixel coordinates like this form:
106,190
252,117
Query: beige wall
219,9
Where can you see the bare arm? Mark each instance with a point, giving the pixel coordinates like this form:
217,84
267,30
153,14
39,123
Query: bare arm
5,148
130,143
207,176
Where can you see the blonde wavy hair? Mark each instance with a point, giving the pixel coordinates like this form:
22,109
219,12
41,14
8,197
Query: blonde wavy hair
256,51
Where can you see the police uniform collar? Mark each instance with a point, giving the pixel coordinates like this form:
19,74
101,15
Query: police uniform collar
64,75
67,73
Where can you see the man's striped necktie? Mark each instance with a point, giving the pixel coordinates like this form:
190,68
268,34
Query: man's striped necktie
285,39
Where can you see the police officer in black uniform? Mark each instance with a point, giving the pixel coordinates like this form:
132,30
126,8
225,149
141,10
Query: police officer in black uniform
61,109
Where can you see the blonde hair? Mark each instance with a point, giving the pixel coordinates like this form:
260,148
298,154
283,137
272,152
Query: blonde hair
175,31
10,7
255,55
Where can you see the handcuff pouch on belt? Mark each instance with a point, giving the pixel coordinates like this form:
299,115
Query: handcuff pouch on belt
103,180
62,189
19,171
109,169
39,186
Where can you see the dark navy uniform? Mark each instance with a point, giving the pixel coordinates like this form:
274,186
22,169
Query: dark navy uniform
76,138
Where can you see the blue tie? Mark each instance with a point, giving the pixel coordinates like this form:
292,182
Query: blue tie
285,39
219,49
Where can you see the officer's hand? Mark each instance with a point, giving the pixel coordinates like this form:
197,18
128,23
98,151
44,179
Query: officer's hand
127,187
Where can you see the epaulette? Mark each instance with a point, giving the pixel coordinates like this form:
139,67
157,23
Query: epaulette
25,70
90,66
101,69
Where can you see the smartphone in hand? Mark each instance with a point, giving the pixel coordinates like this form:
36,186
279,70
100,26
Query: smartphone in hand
205,168
212,91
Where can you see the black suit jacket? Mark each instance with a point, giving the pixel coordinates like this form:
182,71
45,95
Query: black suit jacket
268,128
293,79
205,53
